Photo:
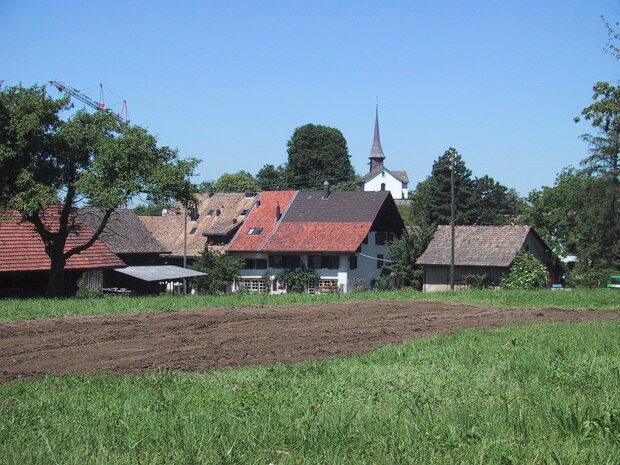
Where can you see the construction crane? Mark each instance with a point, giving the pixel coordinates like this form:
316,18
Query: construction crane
123,116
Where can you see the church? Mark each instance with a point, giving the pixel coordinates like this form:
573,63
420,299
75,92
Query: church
380,178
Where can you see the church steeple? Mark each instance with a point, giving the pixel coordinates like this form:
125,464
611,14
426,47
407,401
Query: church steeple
376,152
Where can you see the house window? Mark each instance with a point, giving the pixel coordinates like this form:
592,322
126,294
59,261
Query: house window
327,286
210,213
243,213
316,262
261,263
249,264
382,186
390,236
285,261
254,231
380,262
253,285
353,262
380,238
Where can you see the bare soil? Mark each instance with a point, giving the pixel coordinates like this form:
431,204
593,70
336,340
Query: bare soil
209,339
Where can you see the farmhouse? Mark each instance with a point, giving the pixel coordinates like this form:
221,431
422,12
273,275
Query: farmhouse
341,236
24,265
380,178
479,250
213,222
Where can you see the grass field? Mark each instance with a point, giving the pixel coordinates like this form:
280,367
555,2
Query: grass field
538,394
26,309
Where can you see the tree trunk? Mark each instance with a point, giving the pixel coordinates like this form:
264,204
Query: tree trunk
56,281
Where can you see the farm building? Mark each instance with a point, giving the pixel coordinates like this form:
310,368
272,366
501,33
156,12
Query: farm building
380,178
214,222
341,236
24,265
479,250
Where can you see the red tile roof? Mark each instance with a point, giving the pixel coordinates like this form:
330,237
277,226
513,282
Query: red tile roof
318,237
21,248
262,216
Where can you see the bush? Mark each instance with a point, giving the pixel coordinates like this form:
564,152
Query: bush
526,272
221,269
87,292
477,281
296,281
590,277
384,283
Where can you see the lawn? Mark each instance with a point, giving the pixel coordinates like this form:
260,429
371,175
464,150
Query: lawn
27,309
538,394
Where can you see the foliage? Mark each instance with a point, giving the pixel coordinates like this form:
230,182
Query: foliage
88,158
88,292
221,269
149,210
297,280
532,394
317,154
383,283
405,251
350,185
480,201
526,272
584,277
271,178
477,281
241,181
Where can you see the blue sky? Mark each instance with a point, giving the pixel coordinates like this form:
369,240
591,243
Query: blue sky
228,82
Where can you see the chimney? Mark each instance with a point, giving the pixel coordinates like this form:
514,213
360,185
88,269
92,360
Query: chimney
326,191
278,213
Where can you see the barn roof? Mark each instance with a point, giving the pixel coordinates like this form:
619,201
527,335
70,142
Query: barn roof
218,215
312,223
476,245
124,233
21,247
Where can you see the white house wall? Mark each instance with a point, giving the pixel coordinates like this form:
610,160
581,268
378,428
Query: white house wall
373,184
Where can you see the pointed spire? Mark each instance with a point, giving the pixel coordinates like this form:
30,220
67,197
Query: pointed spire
376,152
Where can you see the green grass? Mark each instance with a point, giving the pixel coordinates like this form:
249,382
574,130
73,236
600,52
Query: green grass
539,394
27,309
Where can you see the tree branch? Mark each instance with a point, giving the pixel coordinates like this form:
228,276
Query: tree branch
91,241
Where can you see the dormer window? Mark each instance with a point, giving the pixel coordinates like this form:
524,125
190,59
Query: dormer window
210,213
255,231
243,213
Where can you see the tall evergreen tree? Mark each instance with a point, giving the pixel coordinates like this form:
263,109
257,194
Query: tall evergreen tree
317,154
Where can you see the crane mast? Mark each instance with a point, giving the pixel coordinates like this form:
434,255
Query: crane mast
66,88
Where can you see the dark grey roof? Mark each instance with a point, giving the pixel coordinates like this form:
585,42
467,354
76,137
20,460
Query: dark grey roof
400,175
376,151
476,245
340,206
124,234
159,272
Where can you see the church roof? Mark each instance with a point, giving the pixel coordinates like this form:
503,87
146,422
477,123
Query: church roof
376,151
400,175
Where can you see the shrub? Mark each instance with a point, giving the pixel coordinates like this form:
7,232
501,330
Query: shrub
384,283
477,281
296,281
590,277
221,269
526,272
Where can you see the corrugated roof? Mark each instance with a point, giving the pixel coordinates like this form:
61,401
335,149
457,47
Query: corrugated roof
159,272
219,215
124,233
475,245
21,247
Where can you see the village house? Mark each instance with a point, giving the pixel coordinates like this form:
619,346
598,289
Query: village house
479,250
380,178
213,222
341,236
24,265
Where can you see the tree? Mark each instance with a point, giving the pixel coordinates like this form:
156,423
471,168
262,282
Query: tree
221,270
430,202
241,181
149,209
271,178
93,158
406,250
317,154
495,204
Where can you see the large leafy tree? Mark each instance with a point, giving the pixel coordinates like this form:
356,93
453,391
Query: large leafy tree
317,154
495,204
241,181
406,250
430,202
93,158
271,178
221,270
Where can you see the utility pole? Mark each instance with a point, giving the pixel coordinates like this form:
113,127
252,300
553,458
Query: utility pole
185,247
452,215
